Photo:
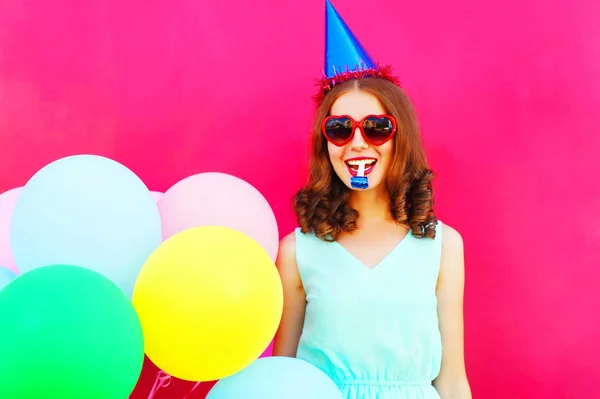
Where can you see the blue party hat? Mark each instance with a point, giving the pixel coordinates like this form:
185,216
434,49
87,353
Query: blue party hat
343,51
345,57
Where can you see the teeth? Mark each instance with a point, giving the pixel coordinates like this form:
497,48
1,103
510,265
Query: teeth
361,161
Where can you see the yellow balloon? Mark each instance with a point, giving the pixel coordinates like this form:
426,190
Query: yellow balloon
210,301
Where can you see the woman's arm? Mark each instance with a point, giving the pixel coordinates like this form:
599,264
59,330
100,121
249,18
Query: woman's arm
452,382
294,300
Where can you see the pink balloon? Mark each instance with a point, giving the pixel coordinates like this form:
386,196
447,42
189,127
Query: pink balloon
157,195
7,204
223,200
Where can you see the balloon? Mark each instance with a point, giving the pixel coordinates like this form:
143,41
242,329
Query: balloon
6,276
7,204
89,211
68,332
277,378
210,300
156,195
218,199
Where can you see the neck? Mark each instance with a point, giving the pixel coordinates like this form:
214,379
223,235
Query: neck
372,205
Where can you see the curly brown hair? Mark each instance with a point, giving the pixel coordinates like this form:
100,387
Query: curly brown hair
323,205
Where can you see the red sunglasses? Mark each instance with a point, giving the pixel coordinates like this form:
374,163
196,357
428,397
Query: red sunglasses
376,129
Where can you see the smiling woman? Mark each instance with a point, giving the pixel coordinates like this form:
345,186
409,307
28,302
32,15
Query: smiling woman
373,283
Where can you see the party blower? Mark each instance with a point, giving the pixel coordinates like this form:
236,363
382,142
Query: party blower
360,181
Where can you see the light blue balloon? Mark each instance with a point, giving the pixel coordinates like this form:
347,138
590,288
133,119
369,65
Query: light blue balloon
6,276
277,378
89,211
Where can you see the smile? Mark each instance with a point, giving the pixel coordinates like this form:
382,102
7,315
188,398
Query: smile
354,164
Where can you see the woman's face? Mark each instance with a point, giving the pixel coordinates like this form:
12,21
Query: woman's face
347,159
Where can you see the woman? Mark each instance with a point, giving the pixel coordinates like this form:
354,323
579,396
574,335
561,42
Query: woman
373,283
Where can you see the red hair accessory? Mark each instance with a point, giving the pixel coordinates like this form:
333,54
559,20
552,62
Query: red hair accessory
325,84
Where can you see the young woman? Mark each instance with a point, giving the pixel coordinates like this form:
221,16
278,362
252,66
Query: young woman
373,283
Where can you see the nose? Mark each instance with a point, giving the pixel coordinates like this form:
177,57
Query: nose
358,142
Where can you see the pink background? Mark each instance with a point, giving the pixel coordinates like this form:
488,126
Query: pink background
507,93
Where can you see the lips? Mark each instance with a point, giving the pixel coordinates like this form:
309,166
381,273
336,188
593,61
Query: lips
354,164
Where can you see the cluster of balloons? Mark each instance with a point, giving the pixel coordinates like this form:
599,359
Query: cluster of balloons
98,270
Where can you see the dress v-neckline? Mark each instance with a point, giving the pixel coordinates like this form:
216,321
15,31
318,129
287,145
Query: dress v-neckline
394,249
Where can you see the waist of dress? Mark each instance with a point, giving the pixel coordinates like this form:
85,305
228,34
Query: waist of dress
383,383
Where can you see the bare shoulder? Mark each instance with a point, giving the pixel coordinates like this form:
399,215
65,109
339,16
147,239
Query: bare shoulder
287,248
286,261
452,250
450,237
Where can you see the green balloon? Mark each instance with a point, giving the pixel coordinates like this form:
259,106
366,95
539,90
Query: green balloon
70,333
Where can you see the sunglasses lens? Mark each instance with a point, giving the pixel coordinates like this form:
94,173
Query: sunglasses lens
378,130
338,130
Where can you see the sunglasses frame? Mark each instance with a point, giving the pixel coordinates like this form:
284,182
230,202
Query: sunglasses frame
359,125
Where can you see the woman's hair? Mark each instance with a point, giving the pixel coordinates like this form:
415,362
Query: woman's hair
323,205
